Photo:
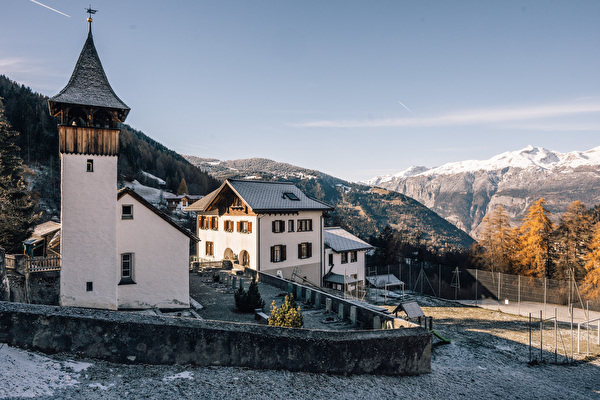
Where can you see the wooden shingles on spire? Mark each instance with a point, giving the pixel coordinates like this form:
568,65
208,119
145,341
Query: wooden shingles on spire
89,87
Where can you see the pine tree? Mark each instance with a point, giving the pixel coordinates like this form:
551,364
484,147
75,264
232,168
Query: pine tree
533,243
248,301
182,189
16,201
591,285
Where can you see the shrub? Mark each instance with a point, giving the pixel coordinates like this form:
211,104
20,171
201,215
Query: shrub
288,315
250,300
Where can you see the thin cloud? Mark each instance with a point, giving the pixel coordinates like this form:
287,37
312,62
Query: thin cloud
50,8
462,118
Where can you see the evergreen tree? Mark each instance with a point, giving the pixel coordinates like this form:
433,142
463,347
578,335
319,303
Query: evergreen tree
533,244
16,202
250,300
592,278
182,189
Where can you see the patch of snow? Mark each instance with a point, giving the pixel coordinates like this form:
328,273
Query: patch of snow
29,375
97,385
150,194
156,178
181,375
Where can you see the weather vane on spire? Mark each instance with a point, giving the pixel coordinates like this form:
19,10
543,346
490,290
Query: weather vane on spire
90,11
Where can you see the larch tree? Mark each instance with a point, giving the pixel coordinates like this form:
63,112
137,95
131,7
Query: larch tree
16,202
591,285
533,242
498,242
573,237
182,189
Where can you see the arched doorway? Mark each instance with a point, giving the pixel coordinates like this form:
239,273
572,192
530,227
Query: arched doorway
228,255
245,258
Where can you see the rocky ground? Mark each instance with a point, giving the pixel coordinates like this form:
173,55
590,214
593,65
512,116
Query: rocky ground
488,358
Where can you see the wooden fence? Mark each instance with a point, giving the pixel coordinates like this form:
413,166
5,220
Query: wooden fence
32,264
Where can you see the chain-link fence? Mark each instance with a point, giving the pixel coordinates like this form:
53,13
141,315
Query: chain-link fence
486,287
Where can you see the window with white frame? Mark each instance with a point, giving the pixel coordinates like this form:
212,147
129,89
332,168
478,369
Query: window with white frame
291,225
127,211
126,269
244,226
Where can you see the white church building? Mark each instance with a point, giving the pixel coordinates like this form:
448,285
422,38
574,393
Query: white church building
117,251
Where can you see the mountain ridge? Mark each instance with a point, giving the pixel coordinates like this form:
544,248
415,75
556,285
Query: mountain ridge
362,210
464,192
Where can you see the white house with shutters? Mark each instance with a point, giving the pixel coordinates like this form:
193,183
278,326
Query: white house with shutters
344,258
271,227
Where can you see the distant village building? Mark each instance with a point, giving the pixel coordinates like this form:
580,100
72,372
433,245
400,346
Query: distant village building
271,227
117,251
345,259
180,202
44,241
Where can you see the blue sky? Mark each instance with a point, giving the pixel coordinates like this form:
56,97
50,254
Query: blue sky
352,88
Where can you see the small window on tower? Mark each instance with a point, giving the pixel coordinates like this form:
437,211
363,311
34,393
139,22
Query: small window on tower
90,166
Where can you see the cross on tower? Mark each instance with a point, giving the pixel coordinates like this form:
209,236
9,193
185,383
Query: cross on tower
90,11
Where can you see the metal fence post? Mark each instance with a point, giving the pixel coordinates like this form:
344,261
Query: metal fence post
541,335
555,335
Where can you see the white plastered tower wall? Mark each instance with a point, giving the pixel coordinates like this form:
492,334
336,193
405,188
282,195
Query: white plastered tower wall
89,231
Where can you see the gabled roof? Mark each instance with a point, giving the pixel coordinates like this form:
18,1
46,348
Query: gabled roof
155,210
341,240
264,196
88,84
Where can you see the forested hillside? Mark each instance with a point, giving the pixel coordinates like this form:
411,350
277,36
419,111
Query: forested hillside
28,114
362,210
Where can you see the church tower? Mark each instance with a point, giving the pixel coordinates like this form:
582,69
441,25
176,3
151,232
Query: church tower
90,113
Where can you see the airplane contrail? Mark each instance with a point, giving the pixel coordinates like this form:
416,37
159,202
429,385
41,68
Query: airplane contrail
401,103
50,8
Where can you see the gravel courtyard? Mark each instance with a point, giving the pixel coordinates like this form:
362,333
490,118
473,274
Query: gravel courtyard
488,358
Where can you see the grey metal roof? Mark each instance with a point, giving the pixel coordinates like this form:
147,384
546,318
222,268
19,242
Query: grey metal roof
339,279
267,196
264,196
341,240
88,84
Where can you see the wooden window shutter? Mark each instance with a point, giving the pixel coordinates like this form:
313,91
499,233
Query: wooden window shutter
282,253
249,227
272,253
239,226
273,226
309,250
299,250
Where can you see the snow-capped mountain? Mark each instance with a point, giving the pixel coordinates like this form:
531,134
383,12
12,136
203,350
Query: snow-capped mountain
463,192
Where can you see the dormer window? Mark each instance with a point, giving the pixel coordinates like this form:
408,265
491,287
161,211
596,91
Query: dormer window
290,196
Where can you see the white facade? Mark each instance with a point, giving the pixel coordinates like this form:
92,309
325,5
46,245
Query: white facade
89,231
158,255
354,269
268,226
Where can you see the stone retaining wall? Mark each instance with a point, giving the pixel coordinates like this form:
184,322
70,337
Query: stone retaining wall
127,337
363,315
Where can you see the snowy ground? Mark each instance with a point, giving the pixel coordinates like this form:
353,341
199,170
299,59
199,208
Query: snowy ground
488,358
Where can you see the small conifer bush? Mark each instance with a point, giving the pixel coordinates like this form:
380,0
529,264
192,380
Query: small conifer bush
287,315
250,300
